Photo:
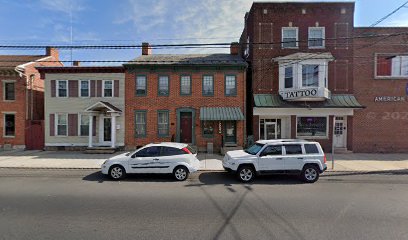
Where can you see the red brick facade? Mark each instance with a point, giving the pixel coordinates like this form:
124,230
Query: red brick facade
383,125
152,103
29,94
263,26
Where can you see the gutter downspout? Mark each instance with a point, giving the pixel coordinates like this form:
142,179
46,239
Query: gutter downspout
20,71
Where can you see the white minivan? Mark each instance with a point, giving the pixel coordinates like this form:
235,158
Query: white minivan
284,156
178,159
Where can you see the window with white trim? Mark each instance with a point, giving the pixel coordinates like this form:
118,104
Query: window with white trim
9,124
108,88
84,125
62,88
316,37
312,127
289,77
62,124
290,37
84,88
310,75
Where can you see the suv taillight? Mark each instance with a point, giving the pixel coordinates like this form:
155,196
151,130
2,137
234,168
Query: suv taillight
186,150
325,160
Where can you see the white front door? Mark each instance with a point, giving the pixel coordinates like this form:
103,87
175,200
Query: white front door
270,131
340,132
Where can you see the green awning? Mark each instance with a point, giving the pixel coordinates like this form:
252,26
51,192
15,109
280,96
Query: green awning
221,114
336,101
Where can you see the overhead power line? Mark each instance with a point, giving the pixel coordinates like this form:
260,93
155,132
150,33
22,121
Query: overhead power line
189,45
389,15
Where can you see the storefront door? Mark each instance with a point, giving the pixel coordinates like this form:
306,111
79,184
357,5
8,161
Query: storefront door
230,132
340,126
270,131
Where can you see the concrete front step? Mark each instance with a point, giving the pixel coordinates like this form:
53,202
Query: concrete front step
100,150
342,150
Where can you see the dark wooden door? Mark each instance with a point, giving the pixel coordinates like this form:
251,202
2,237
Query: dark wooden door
186,126
34,135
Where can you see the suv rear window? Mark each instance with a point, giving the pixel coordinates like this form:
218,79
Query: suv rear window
311,149
293,149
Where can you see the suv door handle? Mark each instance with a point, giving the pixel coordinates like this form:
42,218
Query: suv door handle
279,158
155,159
300,158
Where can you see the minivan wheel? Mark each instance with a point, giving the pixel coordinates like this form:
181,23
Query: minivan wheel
117,172
180,173
246,174
310,174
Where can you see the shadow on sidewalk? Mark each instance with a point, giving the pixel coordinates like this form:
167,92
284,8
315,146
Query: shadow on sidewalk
387,172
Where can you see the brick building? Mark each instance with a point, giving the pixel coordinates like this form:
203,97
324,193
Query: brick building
381,84
22,99
190,98
300,76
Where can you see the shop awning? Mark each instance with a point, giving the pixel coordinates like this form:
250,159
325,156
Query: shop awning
221,114
336,101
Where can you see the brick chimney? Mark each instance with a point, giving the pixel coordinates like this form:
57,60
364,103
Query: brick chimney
51,51
234,49
146,49
76,63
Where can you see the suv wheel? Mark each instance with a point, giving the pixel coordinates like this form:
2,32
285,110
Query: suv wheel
180,173
246,173
310,174
117,172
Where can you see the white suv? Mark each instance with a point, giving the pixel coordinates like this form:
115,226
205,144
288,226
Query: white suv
285,156
176,158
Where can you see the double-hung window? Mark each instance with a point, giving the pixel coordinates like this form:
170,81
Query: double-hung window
289,37
208,85
62,88
163,122
289,77
84,88
316,37
230,85
140,123
84,125
62,125
9,124
310,75
108,88
141,85
185,85
9,91
392,65
163,85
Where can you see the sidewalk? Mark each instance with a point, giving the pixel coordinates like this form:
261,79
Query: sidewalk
209,162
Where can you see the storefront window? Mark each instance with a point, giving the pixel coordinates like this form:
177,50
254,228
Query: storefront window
312,127
270,129
208,129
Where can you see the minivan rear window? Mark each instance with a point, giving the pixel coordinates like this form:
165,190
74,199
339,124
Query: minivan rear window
311,149
293,149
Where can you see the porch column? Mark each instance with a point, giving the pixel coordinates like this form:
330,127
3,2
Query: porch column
90,130
113,130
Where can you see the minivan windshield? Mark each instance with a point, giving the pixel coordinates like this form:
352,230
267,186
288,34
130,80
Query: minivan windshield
254,149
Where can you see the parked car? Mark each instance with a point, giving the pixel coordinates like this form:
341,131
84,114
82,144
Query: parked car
178,159
285,156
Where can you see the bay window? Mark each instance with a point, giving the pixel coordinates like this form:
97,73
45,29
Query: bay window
310,75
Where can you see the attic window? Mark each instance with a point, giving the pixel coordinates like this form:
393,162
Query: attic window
343,10
265,11
303,10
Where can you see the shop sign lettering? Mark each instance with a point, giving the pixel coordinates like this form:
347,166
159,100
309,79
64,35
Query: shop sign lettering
389,99
300,94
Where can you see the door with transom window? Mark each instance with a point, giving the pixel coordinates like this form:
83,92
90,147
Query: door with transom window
340,132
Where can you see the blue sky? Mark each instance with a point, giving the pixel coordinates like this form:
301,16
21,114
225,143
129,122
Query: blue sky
45,22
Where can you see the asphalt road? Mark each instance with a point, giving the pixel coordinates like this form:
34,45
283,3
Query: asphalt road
61,204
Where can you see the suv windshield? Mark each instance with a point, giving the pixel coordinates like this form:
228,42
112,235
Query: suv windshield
254,149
